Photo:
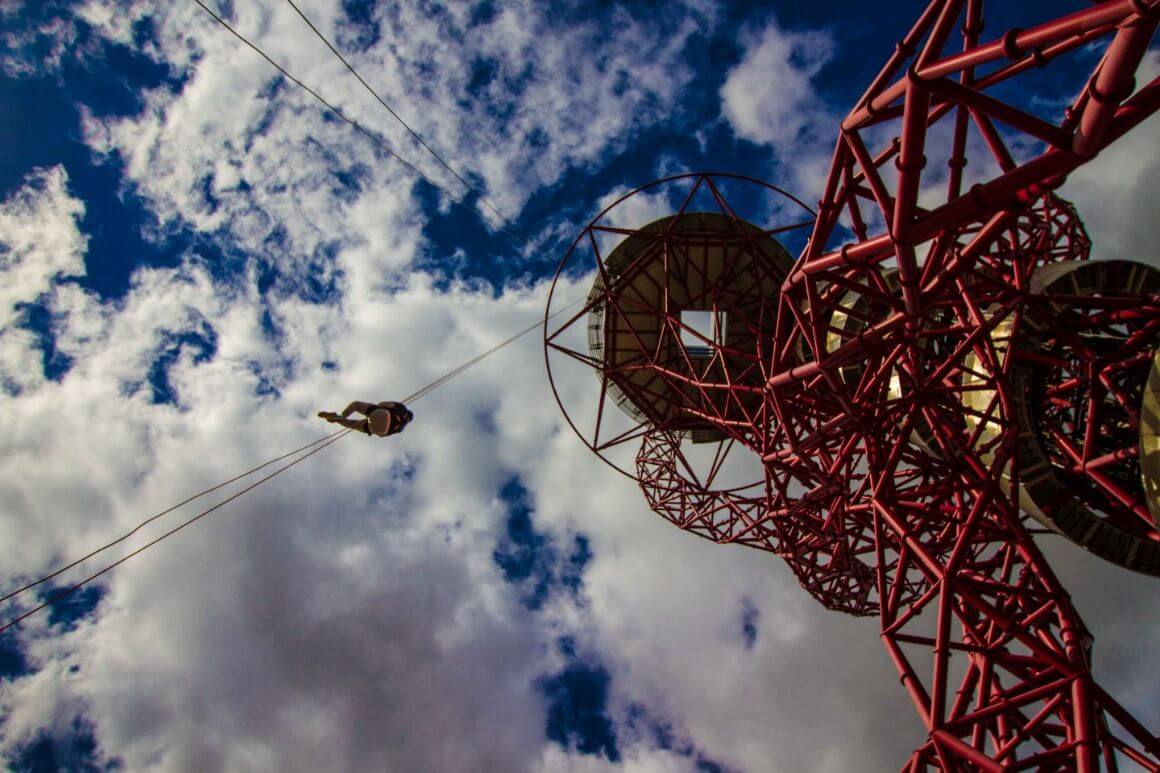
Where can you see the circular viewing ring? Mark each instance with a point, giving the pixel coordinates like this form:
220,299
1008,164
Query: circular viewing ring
791,215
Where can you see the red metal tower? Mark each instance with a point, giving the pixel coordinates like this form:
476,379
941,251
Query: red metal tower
939,371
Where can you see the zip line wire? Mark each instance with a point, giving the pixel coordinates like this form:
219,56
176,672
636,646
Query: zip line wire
77,586
359,127
467,365
153,518
315,446
396,116
506,228
321,443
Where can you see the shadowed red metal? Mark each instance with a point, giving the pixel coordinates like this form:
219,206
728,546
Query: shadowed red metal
939,365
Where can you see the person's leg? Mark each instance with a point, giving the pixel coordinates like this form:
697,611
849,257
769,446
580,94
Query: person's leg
355,424
361,425
360,407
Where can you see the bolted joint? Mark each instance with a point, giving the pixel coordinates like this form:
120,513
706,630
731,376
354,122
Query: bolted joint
1104,98
1010,43
918,166
847,259
915,78
976,194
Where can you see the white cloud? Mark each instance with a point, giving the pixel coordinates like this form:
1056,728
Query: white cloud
769,96
540,109
1115,193
342,616
40,243
349,614
33,49
39,239
344,607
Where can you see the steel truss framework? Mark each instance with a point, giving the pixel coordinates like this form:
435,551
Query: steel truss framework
930,384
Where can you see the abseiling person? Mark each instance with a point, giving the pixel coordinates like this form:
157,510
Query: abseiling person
381,419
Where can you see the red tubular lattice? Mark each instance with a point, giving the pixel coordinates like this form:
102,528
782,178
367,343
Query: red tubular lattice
898,343
927,381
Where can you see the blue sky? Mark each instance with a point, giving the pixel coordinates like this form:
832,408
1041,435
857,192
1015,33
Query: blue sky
197,258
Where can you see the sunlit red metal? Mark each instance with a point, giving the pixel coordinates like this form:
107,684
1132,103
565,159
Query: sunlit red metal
944,365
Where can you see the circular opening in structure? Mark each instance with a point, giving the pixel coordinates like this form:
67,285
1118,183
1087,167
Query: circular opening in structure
680,282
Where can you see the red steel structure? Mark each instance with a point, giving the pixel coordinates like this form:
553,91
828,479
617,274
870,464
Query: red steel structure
939,375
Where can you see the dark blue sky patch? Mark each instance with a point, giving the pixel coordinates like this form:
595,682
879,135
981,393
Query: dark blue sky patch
34,20
200,342
317,279
272,88
70,610
531,560
483,72
223,262
110,79
322,283
75,751
13,663
348,177
36,318
115,221
484,13
350,182
525,556
706,765
211,200
359,28
268,274
572,571
43,135
484,421
648,730
34,134
644,728
266,386
44,130
578,709
270,327
750,616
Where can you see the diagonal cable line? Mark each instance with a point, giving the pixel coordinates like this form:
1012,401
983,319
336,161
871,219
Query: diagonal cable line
355,124
109,567
395,115
482,356
154,517
315,445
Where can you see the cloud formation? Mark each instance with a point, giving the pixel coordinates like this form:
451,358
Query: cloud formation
770,96
477,593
